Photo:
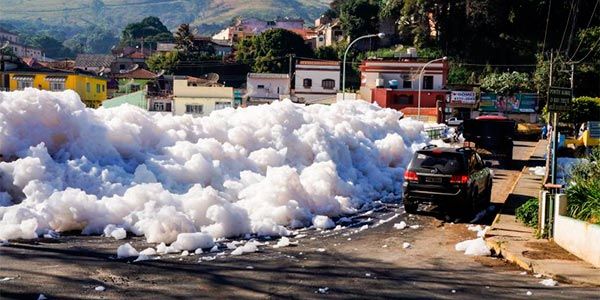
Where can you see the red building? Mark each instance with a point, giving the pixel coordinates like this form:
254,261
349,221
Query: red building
395,84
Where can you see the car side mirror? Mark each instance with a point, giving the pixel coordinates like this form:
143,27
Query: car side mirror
488,164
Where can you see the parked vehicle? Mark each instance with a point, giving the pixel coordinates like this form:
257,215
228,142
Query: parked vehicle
454,121
456,179
492,133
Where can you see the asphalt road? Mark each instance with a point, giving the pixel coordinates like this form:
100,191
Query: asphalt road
347,263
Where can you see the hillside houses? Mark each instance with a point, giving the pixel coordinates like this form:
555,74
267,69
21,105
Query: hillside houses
243,28
18,48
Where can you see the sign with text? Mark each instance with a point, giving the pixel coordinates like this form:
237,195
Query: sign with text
559,99
462,97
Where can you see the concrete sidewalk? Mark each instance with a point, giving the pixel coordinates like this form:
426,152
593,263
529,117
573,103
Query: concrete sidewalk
517,243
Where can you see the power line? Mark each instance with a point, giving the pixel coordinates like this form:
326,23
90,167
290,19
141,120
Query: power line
587,26
566,25
589,52
547,22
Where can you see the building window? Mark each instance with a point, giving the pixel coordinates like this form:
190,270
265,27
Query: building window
103,87
57,86
98,88
159,106
407,84
307,83
194,109
261,86
403,99
221,105
428,82
328,84
22,84
121,67
88,87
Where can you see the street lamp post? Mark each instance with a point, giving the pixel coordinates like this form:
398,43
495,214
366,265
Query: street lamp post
379,35
421,83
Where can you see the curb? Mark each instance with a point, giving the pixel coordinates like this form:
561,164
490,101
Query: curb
501,249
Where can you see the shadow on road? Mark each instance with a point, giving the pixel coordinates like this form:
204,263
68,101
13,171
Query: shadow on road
273,275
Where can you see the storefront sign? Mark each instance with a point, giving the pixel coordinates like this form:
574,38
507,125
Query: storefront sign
462,97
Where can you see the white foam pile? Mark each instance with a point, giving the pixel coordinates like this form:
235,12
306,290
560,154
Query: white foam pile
258,170
475,247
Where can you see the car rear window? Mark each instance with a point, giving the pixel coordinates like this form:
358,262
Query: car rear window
444,162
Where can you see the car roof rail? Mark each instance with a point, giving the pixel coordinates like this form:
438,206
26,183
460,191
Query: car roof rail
429,147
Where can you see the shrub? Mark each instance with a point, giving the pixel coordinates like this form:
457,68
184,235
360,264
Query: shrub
528,212
583,190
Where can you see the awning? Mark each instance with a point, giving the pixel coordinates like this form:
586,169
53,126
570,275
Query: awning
56,78
23,77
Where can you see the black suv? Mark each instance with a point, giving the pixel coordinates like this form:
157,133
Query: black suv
456,179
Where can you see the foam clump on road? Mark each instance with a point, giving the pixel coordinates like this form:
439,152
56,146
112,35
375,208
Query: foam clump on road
323,222
475,247
126,250
193,241
261,170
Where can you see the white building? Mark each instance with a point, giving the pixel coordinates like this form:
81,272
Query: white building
190,97
401,74
19,49
266,87
317,81
329,33
249,27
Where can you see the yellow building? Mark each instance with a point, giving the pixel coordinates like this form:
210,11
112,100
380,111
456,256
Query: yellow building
91,89
198,97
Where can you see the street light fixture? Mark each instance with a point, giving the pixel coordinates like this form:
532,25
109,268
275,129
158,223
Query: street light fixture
379,35
421,83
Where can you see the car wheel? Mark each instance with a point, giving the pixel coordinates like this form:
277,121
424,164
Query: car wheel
410,206
469,206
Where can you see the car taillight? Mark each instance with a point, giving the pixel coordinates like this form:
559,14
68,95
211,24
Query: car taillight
459,179
410,176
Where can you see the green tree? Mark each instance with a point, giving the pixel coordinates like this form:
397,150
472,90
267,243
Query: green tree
582,109
267,52
150,29
507,83
327,52
184,38
460,75
93,39
167,62
359,17
51,46
541,75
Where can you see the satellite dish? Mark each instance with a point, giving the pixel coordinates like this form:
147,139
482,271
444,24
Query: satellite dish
4,45
133,68
212,77
161,73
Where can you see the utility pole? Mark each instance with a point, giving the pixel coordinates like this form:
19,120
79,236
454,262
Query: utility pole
553,120
290,65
